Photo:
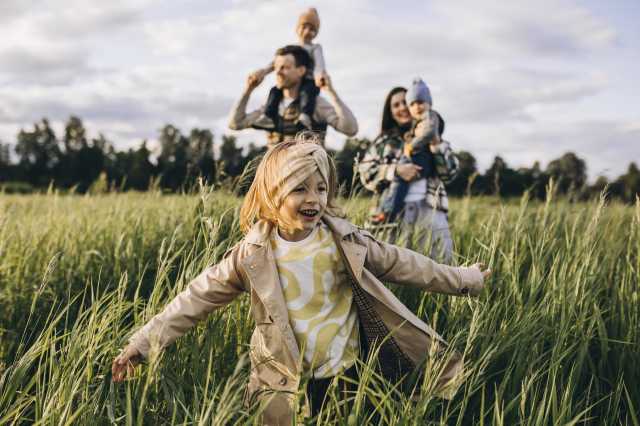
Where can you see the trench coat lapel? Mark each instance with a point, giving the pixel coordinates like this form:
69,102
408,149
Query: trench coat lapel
263,274
354,253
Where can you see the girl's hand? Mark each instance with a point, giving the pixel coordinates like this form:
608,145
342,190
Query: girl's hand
123,365
483,270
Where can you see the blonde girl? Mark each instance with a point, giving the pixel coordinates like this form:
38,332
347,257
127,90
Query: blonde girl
315,283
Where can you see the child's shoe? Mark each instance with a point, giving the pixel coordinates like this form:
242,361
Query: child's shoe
378,218
264,123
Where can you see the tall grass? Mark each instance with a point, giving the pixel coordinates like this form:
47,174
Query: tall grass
553,339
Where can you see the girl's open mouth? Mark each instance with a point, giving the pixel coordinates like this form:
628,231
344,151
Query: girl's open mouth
310,213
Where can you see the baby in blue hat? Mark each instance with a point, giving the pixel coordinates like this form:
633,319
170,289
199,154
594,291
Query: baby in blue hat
425,132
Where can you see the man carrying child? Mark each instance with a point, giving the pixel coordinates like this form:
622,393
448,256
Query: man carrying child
290,65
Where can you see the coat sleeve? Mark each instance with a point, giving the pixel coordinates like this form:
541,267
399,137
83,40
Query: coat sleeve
406,267
446,162
214,288
375,171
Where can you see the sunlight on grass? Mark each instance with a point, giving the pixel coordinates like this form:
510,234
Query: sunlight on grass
552,340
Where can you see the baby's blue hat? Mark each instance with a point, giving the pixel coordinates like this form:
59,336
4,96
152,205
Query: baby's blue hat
418,92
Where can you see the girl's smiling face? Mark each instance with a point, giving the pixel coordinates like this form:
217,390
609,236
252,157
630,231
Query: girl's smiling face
303,208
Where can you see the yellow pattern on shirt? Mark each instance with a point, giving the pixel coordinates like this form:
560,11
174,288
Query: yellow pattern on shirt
319,301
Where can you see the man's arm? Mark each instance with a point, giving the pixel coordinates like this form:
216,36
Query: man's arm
263,72
238,118
335,113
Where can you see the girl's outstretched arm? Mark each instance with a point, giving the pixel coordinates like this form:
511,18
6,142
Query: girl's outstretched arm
406,267
215,287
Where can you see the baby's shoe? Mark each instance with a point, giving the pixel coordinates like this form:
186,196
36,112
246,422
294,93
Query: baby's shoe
378,218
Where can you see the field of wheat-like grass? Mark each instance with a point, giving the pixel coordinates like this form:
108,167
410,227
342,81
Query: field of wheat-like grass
554,338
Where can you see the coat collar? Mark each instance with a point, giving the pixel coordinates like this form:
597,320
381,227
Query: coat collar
261,230
259,233
340,227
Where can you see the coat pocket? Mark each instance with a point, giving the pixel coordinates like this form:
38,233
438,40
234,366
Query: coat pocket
268,358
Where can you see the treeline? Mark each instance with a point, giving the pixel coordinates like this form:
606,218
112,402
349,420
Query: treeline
74,162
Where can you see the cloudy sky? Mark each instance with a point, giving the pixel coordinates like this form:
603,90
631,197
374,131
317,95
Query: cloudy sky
524,80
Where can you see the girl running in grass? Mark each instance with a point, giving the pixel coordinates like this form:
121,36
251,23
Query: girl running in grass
317,298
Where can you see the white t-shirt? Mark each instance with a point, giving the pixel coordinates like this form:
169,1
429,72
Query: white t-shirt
319,300
284,104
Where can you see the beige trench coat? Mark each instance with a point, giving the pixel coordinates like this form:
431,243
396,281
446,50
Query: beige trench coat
275,356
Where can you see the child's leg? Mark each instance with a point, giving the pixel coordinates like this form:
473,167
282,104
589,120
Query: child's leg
396,202
308,94
268,121
424,158
317,392
398,190
273,102
317,389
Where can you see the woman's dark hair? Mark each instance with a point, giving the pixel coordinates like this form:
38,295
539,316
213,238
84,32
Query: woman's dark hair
388,122
441,123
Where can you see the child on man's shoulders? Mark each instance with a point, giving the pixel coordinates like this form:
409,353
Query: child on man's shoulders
307,30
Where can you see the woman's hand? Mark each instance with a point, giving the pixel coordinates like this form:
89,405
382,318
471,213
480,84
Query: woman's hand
486,272
408,172
123,365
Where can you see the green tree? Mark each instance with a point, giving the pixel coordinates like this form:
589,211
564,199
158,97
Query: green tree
38,154
248,166
82,161
534,180
75,135
141,170
630,183
6,169
174,157
601,184
570,173
467,173
201,154
345,160
230,156
501,180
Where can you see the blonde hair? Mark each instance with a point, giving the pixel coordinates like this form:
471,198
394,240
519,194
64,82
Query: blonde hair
283,167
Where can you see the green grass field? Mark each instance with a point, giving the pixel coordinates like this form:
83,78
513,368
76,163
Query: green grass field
553,340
